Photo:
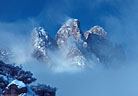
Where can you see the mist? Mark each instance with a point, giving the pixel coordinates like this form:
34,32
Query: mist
98,81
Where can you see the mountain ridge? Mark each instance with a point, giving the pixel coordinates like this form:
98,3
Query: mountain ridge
79,48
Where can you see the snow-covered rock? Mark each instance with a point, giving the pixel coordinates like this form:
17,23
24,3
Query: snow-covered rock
42,43
71,29
70,40
18,88
73,46
19,84
96,30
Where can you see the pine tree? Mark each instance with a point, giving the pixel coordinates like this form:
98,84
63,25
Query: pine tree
43,90
9,72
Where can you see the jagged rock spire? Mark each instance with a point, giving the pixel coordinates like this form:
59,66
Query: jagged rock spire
96,30
42,42
71,43
70,40
71,29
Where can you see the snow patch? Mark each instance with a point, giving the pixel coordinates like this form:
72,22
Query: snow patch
20,84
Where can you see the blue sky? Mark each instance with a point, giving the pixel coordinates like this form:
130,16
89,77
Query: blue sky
118,17
52,13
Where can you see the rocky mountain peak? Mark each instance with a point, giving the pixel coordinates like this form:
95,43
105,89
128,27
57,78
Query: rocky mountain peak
42,42
71,29
96,30
70,40
40,36
73,46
